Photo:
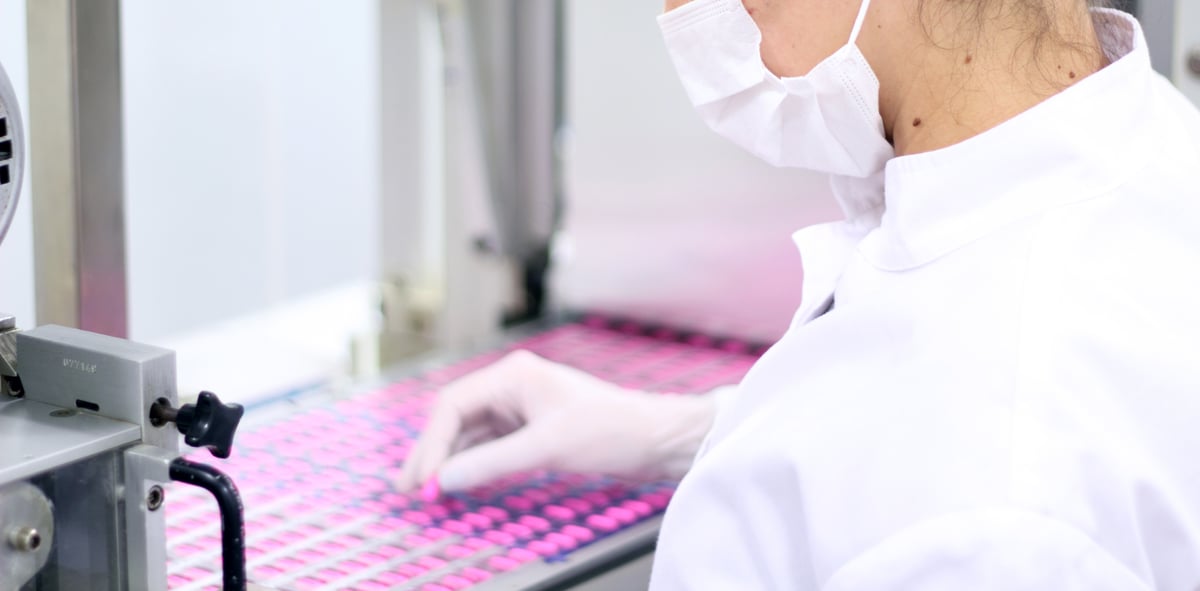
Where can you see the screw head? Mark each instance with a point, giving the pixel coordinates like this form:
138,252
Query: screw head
155,498
25,539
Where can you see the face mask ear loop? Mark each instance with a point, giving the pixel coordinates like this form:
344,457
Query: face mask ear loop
858,22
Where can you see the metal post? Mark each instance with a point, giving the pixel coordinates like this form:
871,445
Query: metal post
77,163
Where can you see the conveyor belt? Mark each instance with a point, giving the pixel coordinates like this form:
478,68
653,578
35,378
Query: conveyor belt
321,514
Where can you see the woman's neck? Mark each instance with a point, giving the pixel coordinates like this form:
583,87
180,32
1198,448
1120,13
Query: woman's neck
951,76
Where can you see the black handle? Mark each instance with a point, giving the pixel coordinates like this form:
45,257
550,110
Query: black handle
208,423
229,502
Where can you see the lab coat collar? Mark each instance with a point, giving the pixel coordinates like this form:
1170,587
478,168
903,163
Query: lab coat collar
1073,146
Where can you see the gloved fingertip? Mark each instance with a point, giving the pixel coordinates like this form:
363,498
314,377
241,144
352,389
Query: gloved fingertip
450,478
431,490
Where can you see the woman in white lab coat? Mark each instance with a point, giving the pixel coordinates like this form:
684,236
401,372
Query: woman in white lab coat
993,381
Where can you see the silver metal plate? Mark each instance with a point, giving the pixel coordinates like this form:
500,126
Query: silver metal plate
37,437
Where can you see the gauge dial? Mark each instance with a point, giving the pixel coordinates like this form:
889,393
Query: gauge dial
12,153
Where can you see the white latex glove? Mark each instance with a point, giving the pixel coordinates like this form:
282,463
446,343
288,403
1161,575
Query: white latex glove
525,413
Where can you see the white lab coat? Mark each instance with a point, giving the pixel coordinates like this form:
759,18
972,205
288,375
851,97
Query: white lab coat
1006,391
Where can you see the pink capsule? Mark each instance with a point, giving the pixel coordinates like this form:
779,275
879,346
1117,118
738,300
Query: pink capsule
475,574
494,513
520,504
436,533
602,522
535,523
455,582
621,514
431,562
410,570
418,517
656,501
561,540
517,530
478,543
583,534
502,563
522,555
558,512
639,508
457,527
477,521
543,547
455,552
538,496
499,537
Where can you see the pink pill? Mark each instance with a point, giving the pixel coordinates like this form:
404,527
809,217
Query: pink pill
640,508
494,513
543,547
517,530
621,514
478,543
456,582
435,587
602,522
454,552
476,520
502,564
656,500
391,578
475,574
516,503
558,512
457,527
499,537
522,555
561,540
418,517
538,496
534,523
596,498
436,533
583,534
437,511
410,570
431,562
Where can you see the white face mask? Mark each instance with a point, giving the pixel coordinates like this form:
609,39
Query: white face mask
826,121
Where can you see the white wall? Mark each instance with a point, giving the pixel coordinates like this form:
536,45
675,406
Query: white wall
16,252
666,221
251,156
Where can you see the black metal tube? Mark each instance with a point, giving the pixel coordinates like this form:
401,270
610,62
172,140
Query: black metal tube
229,502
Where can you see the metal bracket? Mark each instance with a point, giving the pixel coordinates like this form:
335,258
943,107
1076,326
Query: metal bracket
147,468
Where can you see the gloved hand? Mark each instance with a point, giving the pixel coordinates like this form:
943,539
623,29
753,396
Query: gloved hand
525,413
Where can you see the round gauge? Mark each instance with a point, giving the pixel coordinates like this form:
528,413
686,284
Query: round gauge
12,153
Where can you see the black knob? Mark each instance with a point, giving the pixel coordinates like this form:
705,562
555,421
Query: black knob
208,423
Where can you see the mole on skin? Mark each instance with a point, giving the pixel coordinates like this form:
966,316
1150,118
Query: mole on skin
916,122
967,59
